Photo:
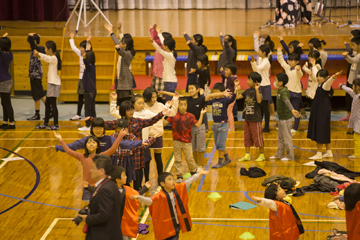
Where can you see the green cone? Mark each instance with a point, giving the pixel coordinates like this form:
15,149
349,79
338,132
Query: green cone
186,175
214,196
247,235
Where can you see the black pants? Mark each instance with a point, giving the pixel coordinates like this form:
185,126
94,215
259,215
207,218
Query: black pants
295,102
235,110
8,110
265,111
80,104
348,98
50,105
89,106
138,181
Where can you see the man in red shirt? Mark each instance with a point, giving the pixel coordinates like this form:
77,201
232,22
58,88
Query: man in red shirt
182,124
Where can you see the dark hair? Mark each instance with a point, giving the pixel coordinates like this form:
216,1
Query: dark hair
351,196
317,43
181,99
87,153
195,84
271,192
162,177
116,172
282,77
125,106
256,77
322,73
232,66
90,56
233,45
166,35
5,44
83,44
294,57
122,123
295,45
355,32
103,161
269,42
135,97
36,38
52,45
128,40
204,59
356,40
316,55
356,82
219,86
266,49
148,92
97,122
170,43
199,39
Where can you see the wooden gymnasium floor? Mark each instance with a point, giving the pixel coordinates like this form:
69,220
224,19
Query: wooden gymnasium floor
40,194
51,183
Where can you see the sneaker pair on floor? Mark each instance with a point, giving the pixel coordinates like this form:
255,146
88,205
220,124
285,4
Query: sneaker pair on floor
248,158
319,155
281,158
45,126
7,126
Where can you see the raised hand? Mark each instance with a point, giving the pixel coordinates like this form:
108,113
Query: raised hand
169,103
109,27
226,38
188,42
338,74
151,40
113,96
298,67
257,86
221,69
88,38
117,46
184,33
236,82
31,34
158,28
72,35
256,199
166,112
5,34
36,53
220,33
301,45
280,38
124,132
256,33
119,25
279,49
227,93
252,58
345,54
57,135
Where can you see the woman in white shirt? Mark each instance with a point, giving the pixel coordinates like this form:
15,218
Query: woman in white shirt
52,57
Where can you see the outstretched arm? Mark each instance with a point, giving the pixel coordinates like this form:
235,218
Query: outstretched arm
268,203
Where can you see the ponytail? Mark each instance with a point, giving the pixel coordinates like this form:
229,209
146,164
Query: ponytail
52,45
266,49
233,45
317,43
199,39
128,40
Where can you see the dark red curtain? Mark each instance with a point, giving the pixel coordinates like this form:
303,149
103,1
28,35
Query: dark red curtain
33,10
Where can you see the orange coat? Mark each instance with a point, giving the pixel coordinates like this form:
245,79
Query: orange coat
353,223
161,216
283,224
129,222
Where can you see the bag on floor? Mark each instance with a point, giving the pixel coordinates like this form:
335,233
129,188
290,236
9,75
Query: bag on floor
337,235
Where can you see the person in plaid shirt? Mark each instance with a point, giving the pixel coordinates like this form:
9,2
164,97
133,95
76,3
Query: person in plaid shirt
181,130
125,155
126,110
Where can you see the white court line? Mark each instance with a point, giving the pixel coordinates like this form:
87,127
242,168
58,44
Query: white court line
11,156
307,148
257,219
52,226
35,139
146,214
275,139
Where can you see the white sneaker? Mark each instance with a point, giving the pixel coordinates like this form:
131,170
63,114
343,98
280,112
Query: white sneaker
84,129
76,117
273,158
316,157
293,132
352,157
328,155
272,118
286,159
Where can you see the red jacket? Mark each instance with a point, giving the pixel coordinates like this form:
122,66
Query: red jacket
161,217
283,223
353,223
129,222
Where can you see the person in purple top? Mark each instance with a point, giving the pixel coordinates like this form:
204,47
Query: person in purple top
6,82
221,126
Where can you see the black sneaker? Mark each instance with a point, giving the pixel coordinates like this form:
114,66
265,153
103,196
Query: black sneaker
351,132
11,126
35,117
4,126
218,165
266,130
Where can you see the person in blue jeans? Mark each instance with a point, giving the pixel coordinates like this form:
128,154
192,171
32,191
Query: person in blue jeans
220,126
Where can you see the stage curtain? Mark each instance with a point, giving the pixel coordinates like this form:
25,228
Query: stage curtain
33,10
196,4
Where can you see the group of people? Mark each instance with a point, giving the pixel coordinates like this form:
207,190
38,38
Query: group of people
125,156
